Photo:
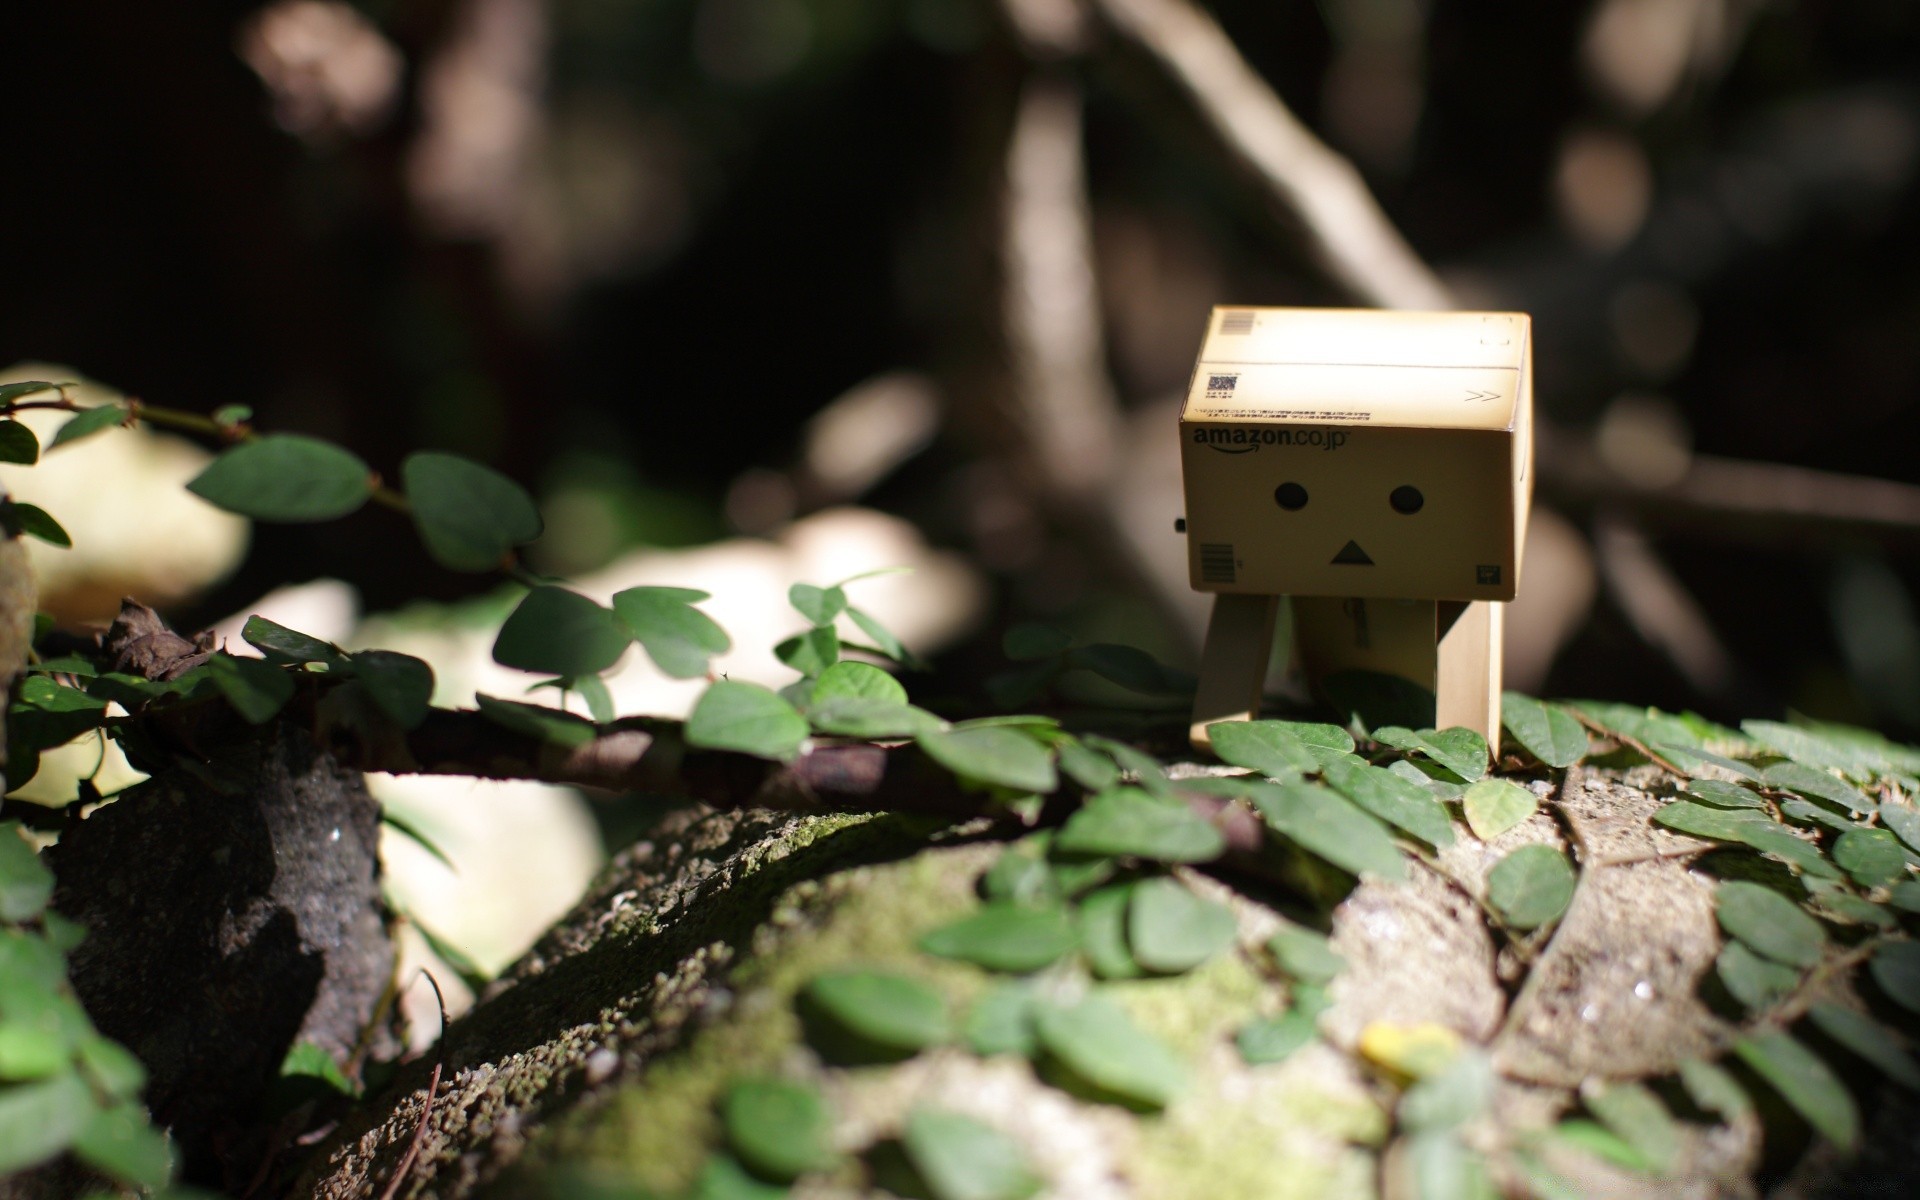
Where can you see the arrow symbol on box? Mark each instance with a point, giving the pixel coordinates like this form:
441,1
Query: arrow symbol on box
1483,396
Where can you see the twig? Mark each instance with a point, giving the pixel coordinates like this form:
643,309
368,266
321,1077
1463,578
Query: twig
1345,230
426,1110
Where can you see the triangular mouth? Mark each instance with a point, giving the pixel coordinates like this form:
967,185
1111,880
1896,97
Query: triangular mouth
1351,555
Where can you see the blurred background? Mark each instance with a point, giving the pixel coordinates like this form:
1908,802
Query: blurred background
755,290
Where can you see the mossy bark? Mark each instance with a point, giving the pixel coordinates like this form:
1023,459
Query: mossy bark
598,1061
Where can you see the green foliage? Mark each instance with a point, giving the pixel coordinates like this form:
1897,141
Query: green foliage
1868,1039
25,883
554,631
1637,1116
1449,1097
1099,1044
992,755
1001,1021
1805,1083
256,689
30,520
1548,732
679,638
777,1128
1325,824
1754,981
1493,806
1275,1039
888,1010
469,517
1014,938
1769,924
731,715
964,1159
1461,751
1531,886
88,422
1131,822
279,477
1895,967
1392,799
1268,747
1305,955
536,721
1170,930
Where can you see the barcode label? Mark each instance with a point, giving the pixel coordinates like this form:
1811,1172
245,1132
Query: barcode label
1237,322
1216,562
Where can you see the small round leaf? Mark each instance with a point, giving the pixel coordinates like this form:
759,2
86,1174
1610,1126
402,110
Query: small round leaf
284,477
1494,806
734,715
964,1159
778,1129
1172,930
1769,924
557,632
1531,886
1015,938
469,516
888,1010
993,755
1097,1041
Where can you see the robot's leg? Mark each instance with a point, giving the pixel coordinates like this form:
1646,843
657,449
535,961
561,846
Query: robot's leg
1233,663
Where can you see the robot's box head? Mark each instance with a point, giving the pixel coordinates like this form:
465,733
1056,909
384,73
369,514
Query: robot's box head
1348,452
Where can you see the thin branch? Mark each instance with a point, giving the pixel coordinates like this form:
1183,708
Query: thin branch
1345,229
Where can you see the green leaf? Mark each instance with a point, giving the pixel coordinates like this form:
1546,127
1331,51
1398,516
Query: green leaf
1391,798
31,520
9,392
1811,813
1706,821
1274,1039
960,1158
812,652
1895,966
733,715
1691,758
1130,667
1755,982
400,684
553,631
1714,1089
1636,1114
858,681
1001,1021
1550,734
1869,1039
593,690
679,638
1871,856
18,444
277,641
1031,642
121,1142
1264,746
25,882
1818,784
39,1120
469,516
1097,1041
1326,824
851,716
1021,875
1086,767
1014,938
256,689
724,1179
282,477
1171,930
1805,1083
1451,1096
1769,838
1769,924
1721,794
993,755
1445,1169
537,721
1805,746
88,422
229,415
1905,896
1305,954
820,605
1602,1143
26,1052
1531,886
1904,821
111,1066
778,1129
1461,751
888,1010
1494,806
1128,821
1103,932
883,638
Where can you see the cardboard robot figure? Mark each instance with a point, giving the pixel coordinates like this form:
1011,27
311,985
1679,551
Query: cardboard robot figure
1377,468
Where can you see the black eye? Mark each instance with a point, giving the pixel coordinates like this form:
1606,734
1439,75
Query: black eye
1290,496
1407,499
